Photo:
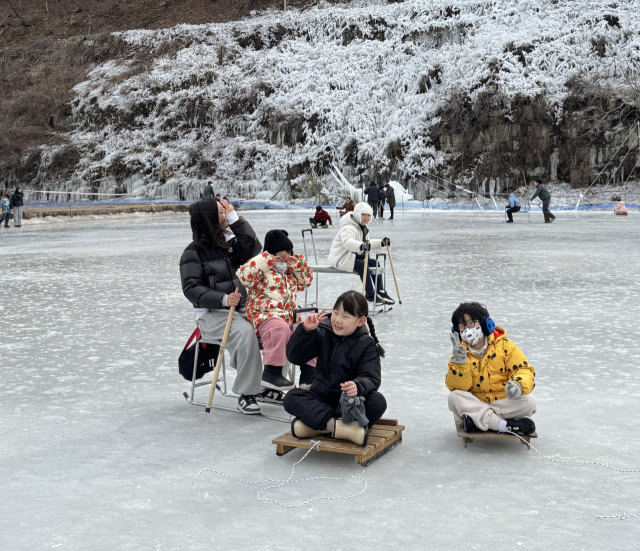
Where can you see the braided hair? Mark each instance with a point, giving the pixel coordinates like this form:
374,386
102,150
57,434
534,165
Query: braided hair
355,304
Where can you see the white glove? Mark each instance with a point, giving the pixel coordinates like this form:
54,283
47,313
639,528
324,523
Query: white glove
513,390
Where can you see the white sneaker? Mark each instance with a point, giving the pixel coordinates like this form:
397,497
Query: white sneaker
248,405
270,396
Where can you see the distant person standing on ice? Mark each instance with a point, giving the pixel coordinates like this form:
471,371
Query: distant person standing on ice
513,206
374,196
208,191
545,197
222,242
349,247
488,375
17,202
390,197
382,201
6,211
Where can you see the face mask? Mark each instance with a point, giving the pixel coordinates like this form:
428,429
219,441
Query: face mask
281,267
472,336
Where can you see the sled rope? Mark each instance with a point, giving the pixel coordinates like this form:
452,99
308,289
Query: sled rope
621,516
314,445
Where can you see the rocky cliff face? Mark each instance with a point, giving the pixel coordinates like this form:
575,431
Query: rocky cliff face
476,92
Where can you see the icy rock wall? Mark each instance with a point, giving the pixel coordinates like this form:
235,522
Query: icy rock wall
386,91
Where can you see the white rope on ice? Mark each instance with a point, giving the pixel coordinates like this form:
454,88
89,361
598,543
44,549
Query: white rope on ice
314,445
621,516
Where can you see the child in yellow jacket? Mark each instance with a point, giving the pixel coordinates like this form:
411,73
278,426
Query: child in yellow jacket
489,377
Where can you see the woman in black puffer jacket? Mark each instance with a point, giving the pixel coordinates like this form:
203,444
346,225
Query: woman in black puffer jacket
222,242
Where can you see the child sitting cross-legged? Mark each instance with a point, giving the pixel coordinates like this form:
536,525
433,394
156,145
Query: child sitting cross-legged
348,362
488,375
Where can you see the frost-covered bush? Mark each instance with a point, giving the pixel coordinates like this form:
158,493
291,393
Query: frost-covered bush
385,89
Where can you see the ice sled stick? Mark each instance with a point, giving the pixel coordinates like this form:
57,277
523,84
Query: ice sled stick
395,279
223,345
364,273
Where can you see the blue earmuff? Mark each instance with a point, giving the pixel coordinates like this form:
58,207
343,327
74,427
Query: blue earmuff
487,325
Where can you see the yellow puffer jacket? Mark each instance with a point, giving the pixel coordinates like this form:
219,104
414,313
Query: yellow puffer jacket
486,378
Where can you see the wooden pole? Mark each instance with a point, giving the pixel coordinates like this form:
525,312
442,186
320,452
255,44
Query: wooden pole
46,5
364,274
395,279
223,345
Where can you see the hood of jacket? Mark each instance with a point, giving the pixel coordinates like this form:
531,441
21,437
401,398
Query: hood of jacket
358,210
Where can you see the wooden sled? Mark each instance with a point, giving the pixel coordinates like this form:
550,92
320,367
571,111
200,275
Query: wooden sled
468,437
385,435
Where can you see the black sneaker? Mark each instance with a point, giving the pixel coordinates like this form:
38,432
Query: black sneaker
524,426
469,425
269,396
386,297
379,300
273,379
248,405
509,221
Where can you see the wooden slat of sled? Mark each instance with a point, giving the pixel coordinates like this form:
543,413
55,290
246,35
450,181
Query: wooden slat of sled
382,436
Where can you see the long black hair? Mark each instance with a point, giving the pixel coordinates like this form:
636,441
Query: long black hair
205,225
355,304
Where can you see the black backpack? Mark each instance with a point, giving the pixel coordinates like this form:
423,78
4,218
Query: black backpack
207,357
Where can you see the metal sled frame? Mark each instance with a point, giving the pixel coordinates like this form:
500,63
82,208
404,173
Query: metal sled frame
326,269
190,397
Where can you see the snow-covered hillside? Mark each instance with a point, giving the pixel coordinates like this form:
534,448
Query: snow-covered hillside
279,97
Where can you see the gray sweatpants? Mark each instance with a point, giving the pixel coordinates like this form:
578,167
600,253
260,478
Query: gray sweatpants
17,216
242,345
488,416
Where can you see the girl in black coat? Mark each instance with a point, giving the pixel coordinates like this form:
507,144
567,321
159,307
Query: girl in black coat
348,361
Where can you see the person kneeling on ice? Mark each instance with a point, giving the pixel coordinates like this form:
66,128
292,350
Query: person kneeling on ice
488,375
618,209
348,362
350,245
273,279
321,217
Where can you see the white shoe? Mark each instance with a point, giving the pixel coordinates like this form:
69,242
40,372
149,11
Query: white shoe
248,405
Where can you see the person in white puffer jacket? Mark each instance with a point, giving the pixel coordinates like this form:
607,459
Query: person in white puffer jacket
349,247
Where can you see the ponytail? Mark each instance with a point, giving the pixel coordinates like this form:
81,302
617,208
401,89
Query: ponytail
372,331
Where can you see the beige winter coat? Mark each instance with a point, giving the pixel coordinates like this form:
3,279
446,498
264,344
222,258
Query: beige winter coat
346,244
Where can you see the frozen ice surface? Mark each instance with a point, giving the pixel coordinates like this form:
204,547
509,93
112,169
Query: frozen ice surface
98,448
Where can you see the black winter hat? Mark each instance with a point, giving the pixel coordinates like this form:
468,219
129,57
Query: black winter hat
319,208
276,241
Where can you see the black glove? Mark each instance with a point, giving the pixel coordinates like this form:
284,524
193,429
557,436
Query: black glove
386,241
365,246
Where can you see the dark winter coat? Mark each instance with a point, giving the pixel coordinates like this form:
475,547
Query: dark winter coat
390,196
374,195
541,192
208,191
17,199
208,273
323,217
340,359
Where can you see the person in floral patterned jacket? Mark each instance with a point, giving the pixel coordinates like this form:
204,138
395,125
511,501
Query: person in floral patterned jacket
273,279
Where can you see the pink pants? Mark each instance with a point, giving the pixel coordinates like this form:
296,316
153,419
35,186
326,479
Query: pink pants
275,335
